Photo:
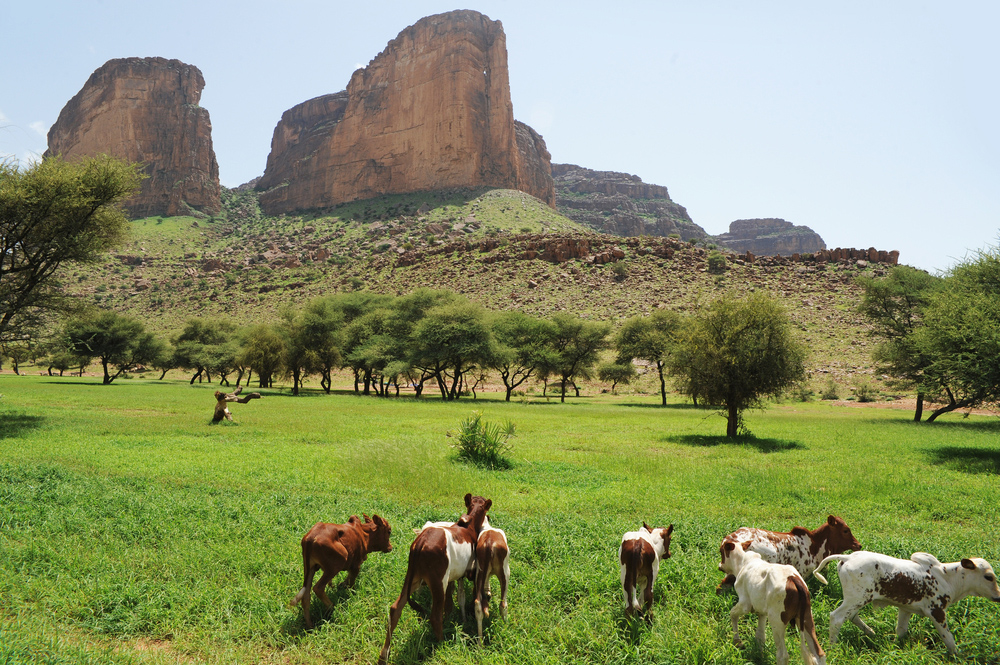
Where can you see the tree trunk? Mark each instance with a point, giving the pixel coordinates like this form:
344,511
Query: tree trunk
732,422
950,407
562,393
107,375
197,375
161,376
919,412
663,384
295,380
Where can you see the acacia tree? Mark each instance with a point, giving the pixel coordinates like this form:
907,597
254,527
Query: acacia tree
961,335
451,340
523,345
651,339
895,307
261,350
576,344
735,354
118,342
52,212
197,347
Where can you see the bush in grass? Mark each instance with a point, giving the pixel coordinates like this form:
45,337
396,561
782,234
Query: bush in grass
830,391
716,262
865,391
483,443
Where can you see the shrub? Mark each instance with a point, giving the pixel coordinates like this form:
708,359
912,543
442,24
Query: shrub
865,391
619,271
484,444
803,393
716,262
830,391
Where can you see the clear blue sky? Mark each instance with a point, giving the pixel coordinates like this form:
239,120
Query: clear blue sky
874,123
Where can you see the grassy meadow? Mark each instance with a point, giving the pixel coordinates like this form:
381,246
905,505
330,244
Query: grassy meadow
133,531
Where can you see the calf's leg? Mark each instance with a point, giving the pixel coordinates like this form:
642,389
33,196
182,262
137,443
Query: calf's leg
903,623
780,648
735,614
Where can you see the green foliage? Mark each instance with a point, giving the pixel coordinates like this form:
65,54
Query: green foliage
830,391
651,339
736,353
483,443
53,212
716,261
865,390
262,350
523,345
576,346
615,373
118,342
961,335
619,271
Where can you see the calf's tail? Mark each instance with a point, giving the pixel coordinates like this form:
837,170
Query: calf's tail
632,560
822,565
812,652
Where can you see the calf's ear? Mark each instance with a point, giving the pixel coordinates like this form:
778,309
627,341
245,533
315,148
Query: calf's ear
468,501
968,564
367,519
832,520
746,544
670,529
489,504
647,527
729,546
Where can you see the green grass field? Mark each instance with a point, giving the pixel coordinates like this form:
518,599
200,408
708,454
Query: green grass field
133,531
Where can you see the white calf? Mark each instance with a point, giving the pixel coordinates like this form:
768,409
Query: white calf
922,585
639,555
777,592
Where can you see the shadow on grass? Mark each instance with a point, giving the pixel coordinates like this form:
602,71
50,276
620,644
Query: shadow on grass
967,460
320,613
637,405
13,425
762,445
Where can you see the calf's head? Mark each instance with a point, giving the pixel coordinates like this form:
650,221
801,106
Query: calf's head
379,532
981,579
839,538
733,554
476,508
664,534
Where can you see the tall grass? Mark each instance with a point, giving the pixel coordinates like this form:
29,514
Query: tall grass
131,531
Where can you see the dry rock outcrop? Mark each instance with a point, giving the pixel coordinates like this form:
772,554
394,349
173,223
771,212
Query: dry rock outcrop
770,237
431,111
146,110
620,204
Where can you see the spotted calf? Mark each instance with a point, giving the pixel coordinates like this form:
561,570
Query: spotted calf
800,548
639,555
921,585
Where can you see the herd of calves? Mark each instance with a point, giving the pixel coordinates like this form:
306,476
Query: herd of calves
766,569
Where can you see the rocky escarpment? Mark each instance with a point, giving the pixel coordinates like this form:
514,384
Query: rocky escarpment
620,204
431,111
770,236
146,110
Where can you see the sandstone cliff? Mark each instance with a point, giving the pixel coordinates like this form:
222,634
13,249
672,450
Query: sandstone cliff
620,204
146,110
431,111
770,237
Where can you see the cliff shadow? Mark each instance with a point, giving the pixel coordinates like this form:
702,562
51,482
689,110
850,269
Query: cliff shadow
761,445
393,206
966,460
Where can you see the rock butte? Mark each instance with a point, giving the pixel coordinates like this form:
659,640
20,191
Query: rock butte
146,110
431,111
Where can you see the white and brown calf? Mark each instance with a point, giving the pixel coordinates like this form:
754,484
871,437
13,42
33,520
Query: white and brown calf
920,585
439,556
773,591
800,548
639,556
492,559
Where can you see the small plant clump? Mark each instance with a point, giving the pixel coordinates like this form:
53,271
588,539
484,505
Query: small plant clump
716,262
483,443
830,391
864,391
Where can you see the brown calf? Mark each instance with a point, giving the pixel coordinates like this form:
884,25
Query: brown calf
492,558
439,556
336,547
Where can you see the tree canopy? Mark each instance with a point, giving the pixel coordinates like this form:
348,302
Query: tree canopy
961,335
895,307
735,354
117,341
52,212
649,338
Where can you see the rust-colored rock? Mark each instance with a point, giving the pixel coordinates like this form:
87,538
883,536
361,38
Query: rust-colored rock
431,111
146,110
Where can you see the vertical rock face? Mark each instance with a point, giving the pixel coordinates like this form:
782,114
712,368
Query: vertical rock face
620,204
770,236
146,110
431,111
